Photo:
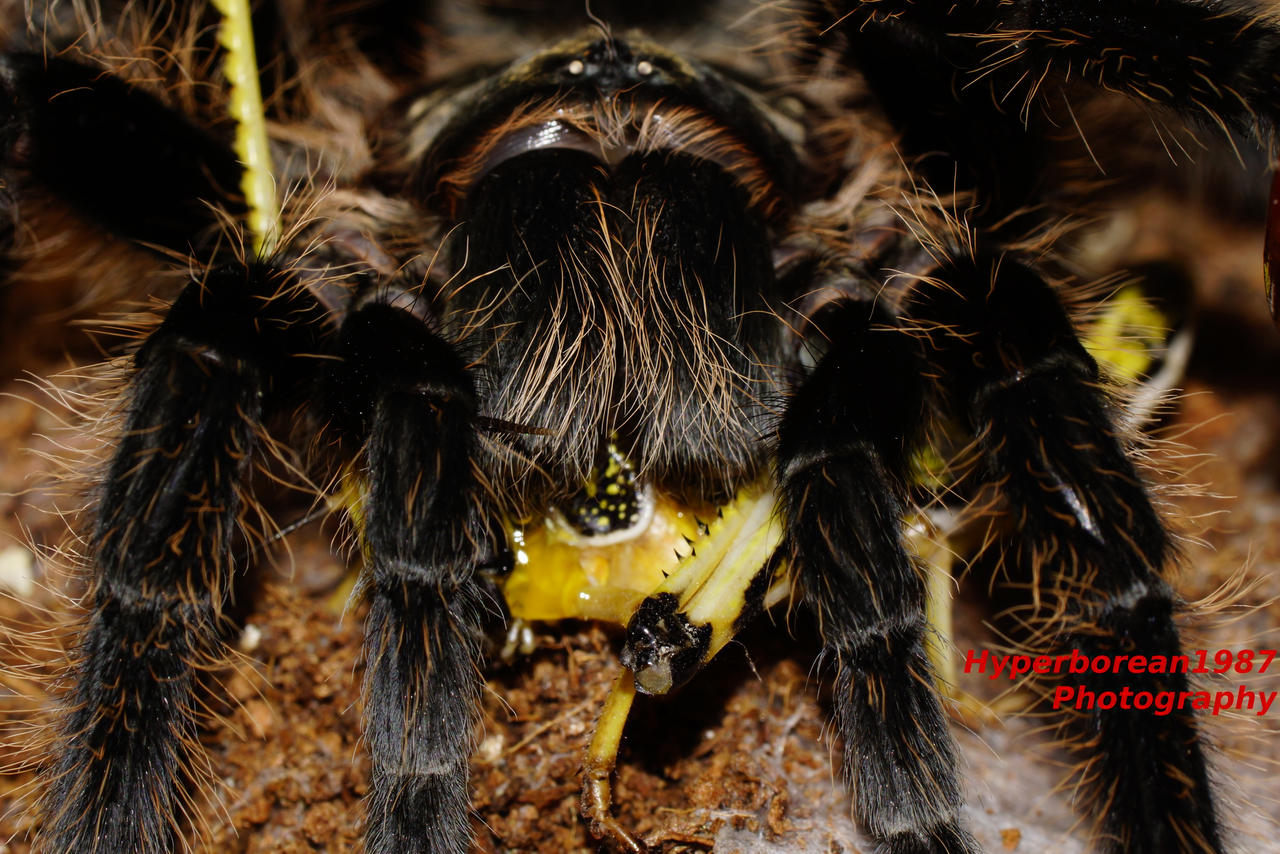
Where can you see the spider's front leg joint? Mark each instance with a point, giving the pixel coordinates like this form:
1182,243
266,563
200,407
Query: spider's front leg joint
842,463
170,501
111,151
411,397
1078,528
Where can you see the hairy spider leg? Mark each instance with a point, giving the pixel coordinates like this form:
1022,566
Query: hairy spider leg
128,765
1086,543
170,503
1212,62
842,472
425,533
957,136
1141,340
113,152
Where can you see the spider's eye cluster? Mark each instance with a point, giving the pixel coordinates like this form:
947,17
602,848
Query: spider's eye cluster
609,66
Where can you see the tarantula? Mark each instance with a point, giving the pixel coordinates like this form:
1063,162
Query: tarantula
606,278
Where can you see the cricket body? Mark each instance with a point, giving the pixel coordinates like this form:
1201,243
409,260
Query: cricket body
573,300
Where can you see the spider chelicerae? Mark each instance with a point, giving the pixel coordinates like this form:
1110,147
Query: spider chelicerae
709,300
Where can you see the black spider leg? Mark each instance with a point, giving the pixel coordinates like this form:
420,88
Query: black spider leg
1085,540
958,136
113,152
425,535
841,466
1213,62
170,500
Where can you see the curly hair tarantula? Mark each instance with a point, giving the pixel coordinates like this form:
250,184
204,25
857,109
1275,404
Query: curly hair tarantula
658,317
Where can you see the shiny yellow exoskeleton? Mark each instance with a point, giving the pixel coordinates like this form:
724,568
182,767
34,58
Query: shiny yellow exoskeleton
711,567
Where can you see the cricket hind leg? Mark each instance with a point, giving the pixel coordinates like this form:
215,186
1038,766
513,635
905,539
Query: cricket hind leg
1083,540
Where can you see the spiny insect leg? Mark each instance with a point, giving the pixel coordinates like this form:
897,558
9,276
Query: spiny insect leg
425,535
170,502
1085,540
842,467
